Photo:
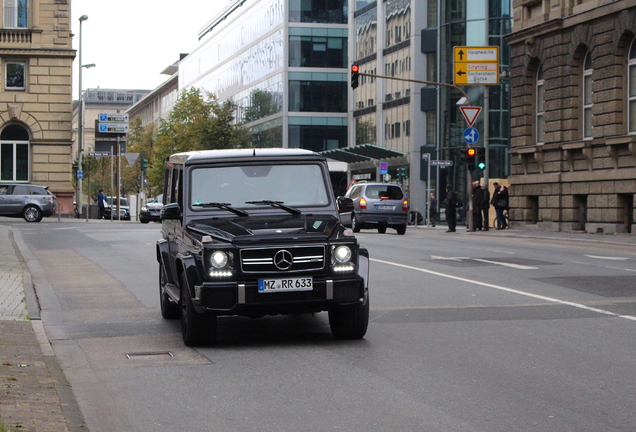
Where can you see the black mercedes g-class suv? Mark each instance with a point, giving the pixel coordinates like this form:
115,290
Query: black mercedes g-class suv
256,232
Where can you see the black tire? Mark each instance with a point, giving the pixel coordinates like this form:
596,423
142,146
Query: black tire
350,323
355,225
401,229
169,309
196,329
381,229
144,221
32,214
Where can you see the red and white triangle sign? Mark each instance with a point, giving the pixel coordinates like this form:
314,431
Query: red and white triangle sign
470,114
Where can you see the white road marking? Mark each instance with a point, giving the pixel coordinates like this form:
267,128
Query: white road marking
510,290
608,258
517,266
459,259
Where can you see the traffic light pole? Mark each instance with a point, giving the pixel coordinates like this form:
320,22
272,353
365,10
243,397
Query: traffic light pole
355,72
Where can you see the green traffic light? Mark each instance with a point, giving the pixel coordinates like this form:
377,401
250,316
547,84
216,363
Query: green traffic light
481,165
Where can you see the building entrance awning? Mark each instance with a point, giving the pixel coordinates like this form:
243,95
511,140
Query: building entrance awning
361,153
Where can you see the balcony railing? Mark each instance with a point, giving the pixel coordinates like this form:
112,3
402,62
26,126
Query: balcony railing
15,37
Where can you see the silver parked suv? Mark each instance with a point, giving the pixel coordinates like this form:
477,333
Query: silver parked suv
28,201
377,205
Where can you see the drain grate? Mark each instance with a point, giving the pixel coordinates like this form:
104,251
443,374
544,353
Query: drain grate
149,355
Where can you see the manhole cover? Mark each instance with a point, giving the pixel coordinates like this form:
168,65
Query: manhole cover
149,355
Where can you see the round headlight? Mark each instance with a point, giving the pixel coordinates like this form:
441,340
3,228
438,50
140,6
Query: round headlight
342,254
219,259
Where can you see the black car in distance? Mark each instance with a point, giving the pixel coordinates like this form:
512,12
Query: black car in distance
255,232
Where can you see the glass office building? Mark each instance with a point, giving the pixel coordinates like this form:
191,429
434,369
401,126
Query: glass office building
284,63
414,40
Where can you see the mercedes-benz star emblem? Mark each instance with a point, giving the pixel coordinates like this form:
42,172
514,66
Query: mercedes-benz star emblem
283,260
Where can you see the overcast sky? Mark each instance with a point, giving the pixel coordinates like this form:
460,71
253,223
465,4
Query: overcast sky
132,41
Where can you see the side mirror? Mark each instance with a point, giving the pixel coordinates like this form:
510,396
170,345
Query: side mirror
171,211
345,205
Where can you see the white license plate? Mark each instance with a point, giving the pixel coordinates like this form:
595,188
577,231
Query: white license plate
288,284
386,207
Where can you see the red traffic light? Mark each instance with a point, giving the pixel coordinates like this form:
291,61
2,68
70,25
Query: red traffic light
355,68
471,152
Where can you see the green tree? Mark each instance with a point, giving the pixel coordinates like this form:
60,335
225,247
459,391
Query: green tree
198,121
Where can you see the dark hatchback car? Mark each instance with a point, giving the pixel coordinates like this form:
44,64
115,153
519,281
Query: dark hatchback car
31,202
256,232
377,205
151,211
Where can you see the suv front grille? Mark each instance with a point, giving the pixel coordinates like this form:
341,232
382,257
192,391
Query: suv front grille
282,259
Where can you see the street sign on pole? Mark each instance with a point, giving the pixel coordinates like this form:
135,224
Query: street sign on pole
99,153
470,114
384,167
476,65
120,128
113,118
442,163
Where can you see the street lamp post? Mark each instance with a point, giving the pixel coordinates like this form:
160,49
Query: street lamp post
80,123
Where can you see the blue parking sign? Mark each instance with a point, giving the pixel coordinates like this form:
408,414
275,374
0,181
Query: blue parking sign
80,174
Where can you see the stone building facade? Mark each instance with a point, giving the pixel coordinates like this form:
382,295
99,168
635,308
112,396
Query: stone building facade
573,115
36,59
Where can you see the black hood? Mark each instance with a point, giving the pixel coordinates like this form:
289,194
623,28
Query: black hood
275,227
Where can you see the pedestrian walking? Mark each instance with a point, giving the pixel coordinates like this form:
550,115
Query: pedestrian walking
476,201
451,208
433,211
485,206
500,202
101,203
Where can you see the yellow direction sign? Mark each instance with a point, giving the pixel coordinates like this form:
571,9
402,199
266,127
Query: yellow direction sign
476,65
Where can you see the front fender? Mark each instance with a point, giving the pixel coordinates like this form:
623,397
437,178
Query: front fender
363,266
188,265
163,258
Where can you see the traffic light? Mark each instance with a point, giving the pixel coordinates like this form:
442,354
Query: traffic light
144,163
471,152
402,173
481,158
355,75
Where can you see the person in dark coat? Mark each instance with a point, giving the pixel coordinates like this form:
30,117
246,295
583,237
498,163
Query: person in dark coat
101,203
476,198
485,206
451,208
500,202
433,210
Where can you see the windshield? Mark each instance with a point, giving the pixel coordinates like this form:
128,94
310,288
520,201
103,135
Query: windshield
122,201
293,185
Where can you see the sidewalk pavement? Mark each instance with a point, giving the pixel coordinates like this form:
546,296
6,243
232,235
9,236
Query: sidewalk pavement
32,385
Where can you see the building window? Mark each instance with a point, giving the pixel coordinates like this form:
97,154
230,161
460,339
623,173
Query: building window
15,13
632,88
318,11
312,51
587,97
15,75
539,105
14,154
317,96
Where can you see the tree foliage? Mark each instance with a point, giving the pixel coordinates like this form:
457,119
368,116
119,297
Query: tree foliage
198,121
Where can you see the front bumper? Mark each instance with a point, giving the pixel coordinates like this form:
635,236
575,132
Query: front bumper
243,298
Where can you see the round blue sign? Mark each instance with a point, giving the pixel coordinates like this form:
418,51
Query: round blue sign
471,135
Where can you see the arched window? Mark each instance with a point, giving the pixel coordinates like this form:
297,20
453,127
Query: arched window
539,105
632,88
586,97
14,154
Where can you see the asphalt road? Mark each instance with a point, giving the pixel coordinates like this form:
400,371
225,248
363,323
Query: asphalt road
467,333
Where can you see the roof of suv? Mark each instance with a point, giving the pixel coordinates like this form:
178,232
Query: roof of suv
207,155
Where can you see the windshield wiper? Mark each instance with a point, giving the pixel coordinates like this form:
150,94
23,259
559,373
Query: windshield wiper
224,206
277,204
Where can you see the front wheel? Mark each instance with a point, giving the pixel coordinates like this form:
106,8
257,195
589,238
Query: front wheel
350,323
196,329
32,214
